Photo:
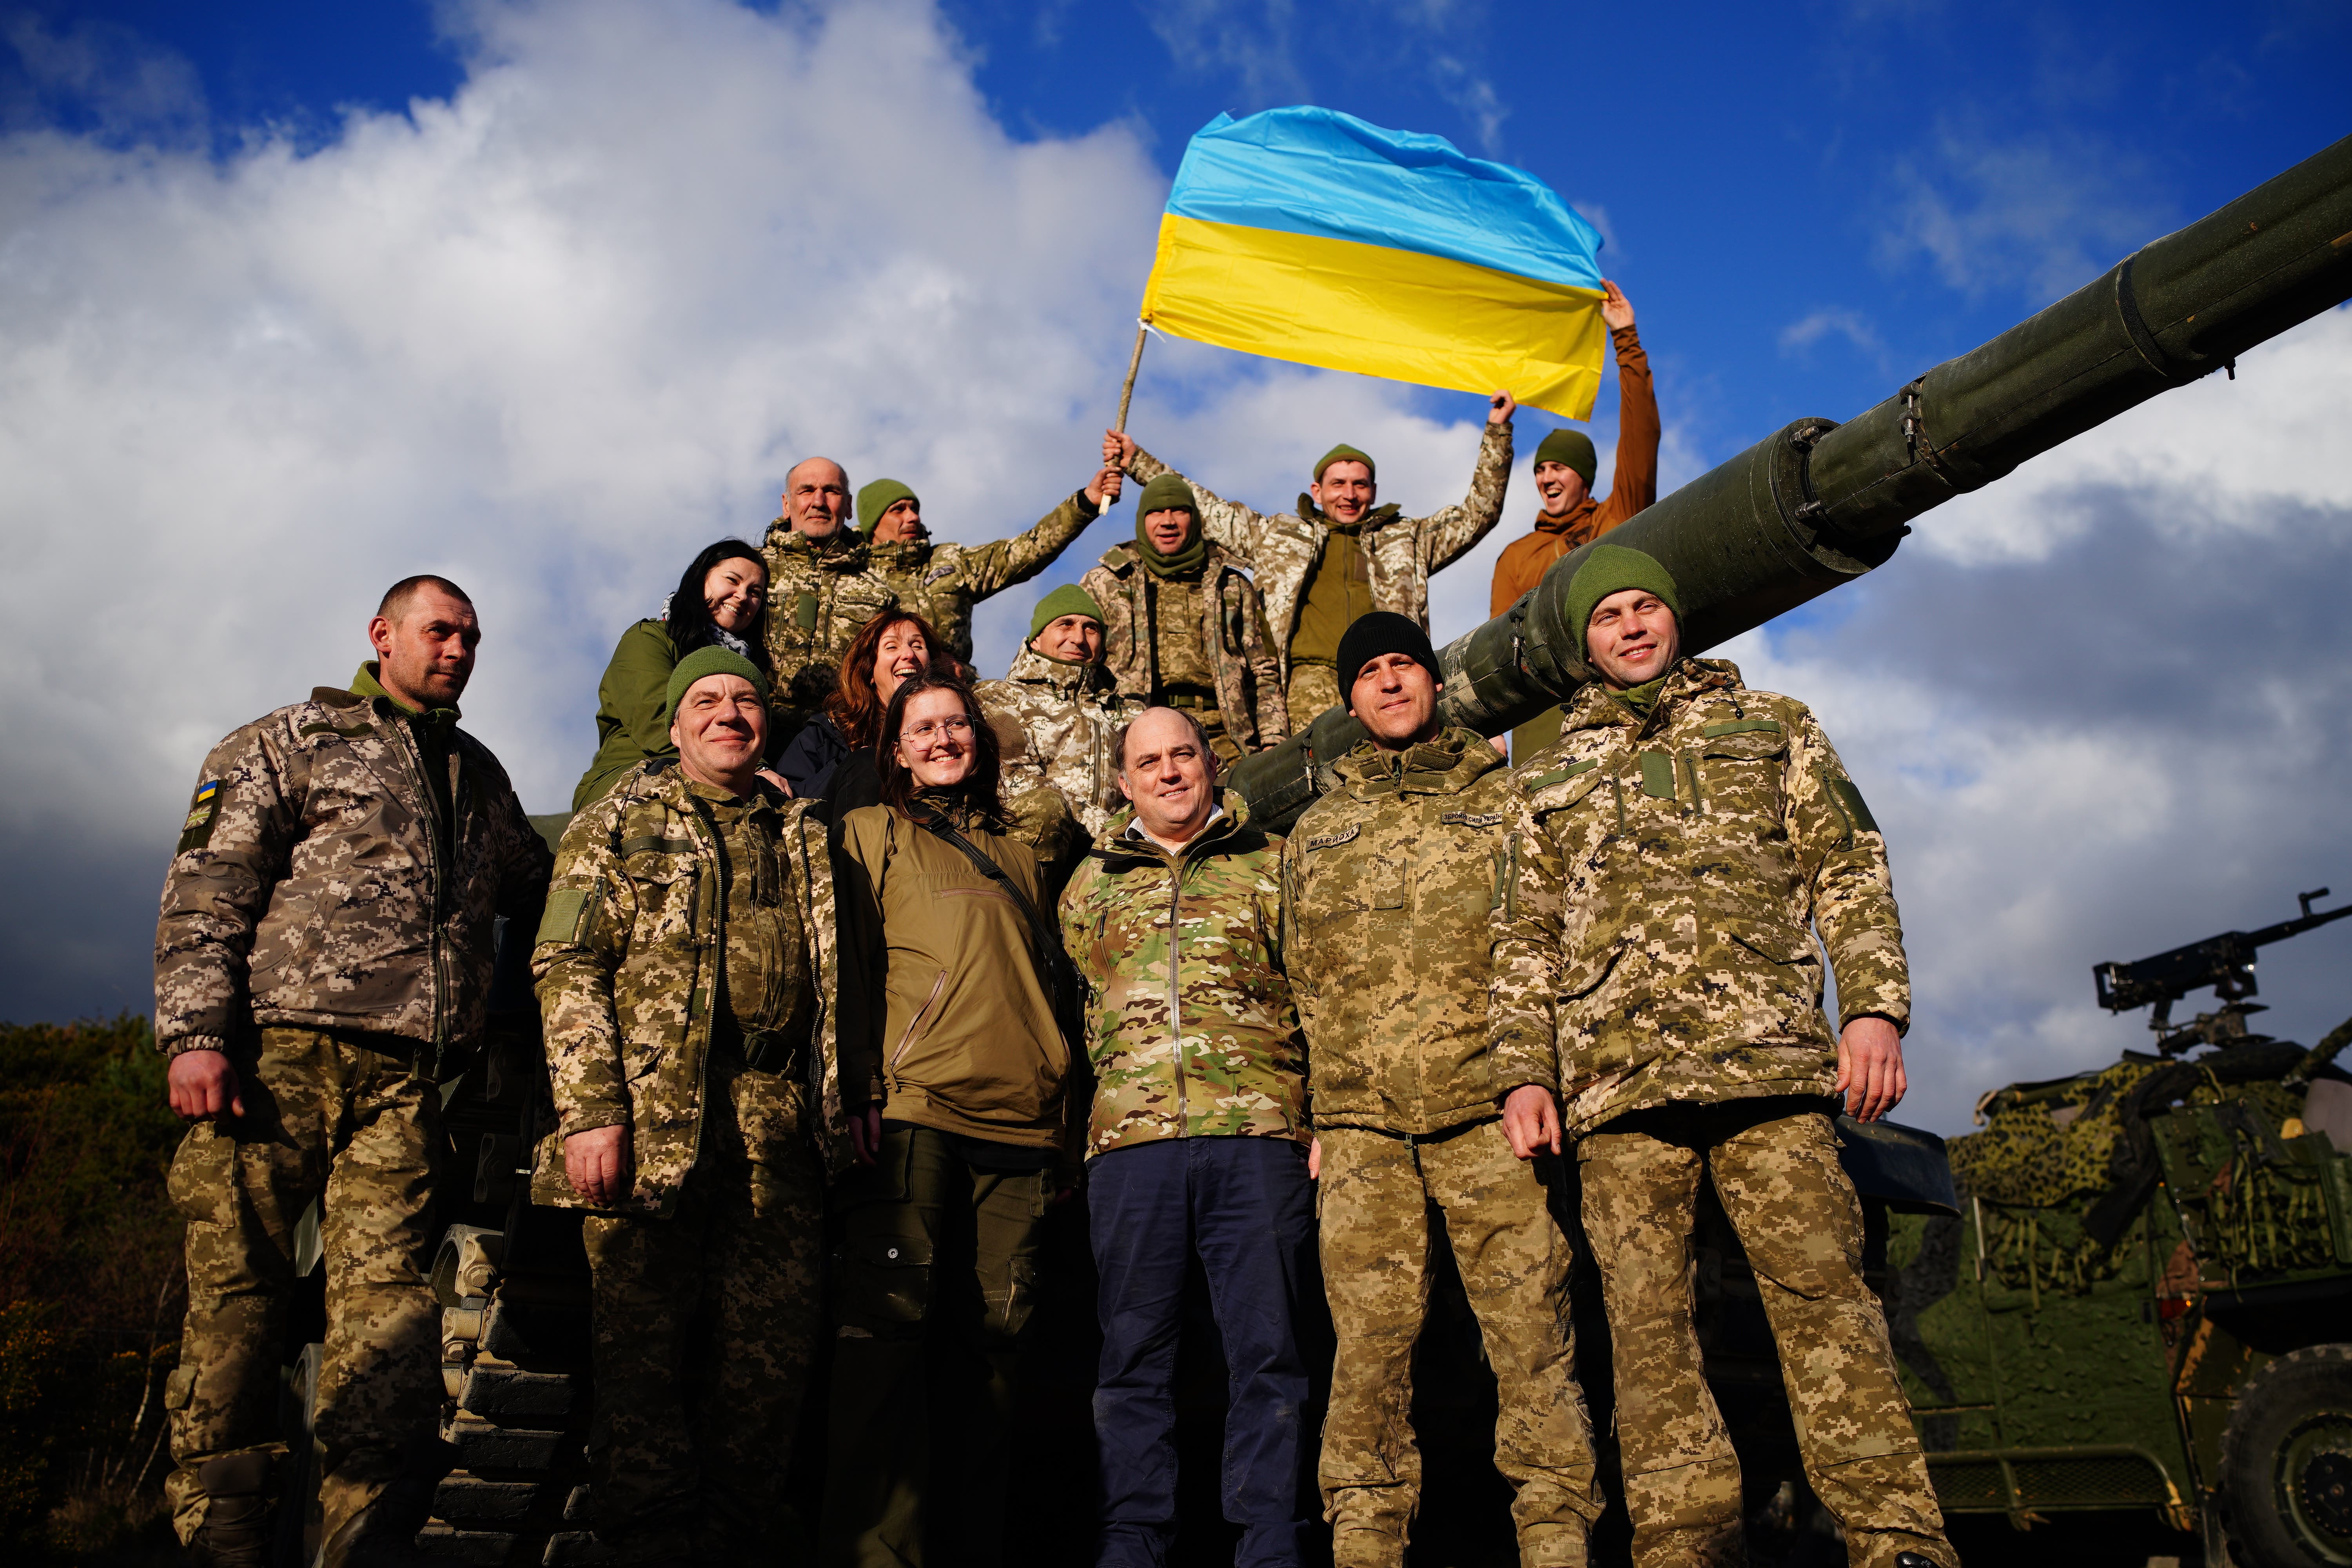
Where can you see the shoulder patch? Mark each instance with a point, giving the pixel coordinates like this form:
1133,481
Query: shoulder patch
1741,727
1849,797
565,905
1471,818
1333,840
938,574
203,810
348,732
1561,775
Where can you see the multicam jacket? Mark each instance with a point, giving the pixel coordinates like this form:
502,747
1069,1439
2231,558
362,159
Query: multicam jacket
308,888
1193,1033
1233,632
1054,723
818,598
1666,878
1400,553
941,583
632,952
1390,883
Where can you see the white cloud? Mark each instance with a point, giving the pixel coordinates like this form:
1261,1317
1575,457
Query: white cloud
1799,336
2039,217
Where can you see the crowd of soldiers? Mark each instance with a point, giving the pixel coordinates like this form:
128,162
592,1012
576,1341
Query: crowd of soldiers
850,969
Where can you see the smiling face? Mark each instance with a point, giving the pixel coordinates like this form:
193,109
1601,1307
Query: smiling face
1395,697
1559,489
735,589
1073,639
901,522
935,739
1168,530
1169,774
901,652
1345,491
720,730
425,657
1631,639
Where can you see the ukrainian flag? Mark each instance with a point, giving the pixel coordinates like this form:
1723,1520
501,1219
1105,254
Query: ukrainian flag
1307,235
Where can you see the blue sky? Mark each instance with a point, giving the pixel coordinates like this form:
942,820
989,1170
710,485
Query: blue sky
296,299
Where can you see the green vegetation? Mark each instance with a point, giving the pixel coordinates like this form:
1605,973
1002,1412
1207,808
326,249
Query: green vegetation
91,1290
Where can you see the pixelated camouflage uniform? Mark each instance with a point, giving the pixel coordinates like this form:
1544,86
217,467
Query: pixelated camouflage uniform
320,928
685,967
942,581
819,594
1390,883
1056,722
1231,638
1231,1060
1281,551
1665,878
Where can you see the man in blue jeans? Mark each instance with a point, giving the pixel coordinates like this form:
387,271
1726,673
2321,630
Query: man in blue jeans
1198,1140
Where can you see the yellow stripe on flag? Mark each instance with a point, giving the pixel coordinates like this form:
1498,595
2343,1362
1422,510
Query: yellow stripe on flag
1427,320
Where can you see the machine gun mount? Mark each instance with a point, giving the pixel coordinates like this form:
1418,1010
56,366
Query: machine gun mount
2225,962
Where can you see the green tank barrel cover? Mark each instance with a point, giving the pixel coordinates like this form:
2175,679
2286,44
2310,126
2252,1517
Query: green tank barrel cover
1819,503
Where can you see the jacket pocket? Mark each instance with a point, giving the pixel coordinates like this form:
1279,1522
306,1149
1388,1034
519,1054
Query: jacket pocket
1739,769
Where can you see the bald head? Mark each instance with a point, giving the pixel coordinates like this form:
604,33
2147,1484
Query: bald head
816,497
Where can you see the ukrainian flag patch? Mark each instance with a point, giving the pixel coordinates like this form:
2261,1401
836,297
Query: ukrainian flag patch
198,830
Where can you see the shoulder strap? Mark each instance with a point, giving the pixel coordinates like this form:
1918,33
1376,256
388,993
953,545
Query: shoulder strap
940,828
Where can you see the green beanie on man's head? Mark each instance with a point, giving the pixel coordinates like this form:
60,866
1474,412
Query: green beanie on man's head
1613,569
1573,447
1069,599
712,660
1343,453
1169,493
879,498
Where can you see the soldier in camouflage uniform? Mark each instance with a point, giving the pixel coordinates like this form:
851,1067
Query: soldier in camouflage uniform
1669,859
1058,711
322,956
941,583
824,584
685,969
1185,627
1338,556
1197,1142
1388,881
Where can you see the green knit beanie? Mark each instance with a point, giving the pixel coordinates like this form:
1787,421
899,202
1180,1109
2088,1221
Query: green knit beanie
712,660
1613,569
1573,447
1343,453
1169,493
1069,599
879,498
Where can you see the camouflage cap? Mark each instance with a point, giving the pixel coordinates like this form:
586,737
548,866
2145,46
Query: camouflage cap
1343,453
713,660
879,498
1573,447
1613,569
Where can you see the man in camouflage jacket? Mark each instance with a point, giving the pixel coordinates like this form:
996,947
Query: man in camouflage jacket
322,956
1338,555
1389,881
941,583
1669,860
1187,629
824,584
1058,711
1195,1143
687,969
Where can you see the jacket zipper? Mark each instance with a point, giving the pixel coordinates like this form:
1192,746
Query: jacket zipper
438,874
1175,965
915,1024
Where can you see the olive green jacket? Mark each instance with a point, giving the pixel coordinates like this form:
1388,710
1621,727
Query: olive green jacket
629,955
942,581
632,708
1666,878
1389,885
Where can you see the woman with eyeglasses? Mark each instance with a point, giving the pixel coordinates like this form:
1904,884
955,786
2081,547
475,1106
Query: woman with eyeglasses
957,1084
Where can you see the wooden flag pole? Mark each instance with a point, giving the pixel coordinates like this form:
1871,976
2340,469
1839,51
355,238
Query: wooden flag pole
1127,393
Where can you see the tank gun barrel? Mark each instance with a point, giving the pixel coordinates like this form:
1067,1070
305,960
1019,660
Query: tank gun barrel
1819,503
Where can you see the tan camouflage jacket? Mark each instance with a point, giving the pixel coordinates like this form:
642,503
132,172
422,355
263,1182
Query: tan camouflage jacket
1667,878
1193,1030
1390,883
1249,676
1400,553
307,889
818,598
632,950
1056,722
942,581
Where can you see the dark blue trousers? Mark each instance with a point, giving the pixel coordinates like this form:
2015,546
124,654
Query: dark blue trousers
1245,1206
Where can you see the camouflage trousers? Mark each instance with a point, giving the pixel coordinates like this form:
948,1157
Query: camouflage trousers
1378,1194
1313,688
706,1332
326,1119
1776,1173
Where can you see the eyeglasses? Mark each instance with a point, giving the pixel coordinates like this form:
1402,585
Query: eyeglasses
931,731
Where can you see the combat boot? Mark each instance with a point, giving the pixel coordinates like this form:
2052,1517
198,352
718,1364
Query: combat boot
240,1511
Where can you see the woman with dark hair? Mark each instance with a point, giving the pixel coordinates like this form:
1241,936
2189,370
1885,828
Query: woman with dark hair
957,1084
832,756
721,601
